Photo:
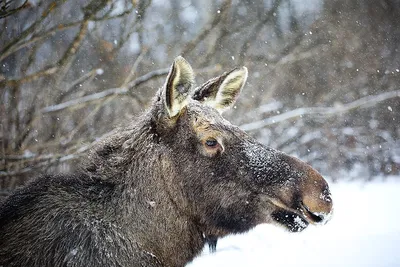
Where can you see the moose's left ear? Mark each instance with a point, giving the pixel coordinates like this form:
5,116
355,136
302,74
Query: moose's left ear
176,89
221,92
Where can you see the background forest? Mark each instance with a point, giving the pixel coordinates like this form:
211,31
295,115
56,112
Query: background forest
323,80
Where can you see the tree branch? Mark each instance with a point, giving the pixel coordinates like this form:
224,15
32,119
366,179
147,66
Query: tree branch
60,27
217,18
10,46
5,13
38,37
53,159
364,102
29,78
256,31
106,93
38,161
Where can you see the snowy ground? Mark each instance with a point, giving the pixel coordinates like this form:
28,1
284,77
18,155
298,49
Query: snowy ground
364,231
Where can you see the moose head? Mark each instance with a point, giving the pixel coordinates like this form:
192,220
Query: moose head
231,181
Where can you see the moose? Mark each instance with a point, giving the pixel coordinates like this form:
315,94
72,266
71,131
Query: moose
155,192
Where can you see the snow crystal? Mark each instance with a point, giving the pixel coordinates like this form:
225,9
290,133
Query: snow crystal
91,25
300,222
73,252
28,154
266,108
325,197
99,71
151,203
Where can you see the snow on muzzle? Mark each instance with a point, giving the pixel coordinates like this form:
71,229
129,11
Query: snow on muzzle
300,195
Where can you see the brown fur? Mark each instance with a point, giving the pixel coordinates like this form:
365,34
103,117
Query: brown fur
153,193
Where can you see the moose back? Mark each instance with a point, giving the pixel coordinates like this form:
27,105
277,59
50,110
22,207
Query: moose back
153,193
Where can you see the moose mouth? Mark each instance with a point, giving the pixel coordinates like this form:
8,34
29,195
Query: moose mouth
312,217
295,220
290,220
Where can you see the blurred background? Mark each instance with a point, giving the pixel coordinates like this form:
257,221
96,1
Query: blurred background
323,80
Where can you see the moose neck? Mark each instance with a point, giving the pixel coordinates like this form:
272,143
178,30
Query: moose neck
151,200
163,225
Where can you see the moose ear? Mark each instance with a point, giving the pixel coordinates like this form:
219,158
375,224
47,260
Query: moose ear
221,92
176,89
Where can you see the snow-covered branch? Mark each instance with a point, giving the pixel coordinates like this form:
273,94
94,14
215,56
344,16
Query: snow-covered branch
364,102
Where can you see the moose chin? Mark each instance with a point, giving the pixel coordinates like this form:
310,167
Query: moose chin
155,192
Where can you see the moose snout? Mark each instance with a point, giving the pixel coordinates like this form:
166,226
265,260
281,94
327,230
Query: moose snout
316,204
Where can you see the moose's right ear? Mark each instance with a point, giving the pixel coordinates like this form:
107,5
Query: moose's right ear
176,89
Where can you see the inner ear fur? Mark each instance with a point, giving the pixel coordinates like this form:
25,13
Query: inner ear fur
221,92
179,81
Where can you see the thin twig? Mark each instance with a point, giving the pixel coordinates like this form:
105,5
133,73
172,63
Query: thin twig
48,159
135,65
85,119
209,27
66,61
256,30
29,78
3,148
38,37
41,164
107,93
60,27
5,13
10,46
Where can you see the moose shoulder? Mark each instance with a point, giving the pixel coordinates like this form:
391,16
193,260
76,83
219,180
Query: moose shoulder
154,193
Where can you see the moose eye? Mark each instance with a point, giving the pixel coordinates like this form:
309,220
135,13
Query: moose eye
211,142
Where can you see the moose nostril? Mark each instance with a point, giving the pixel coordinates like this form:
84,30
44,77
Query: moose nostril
317,217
